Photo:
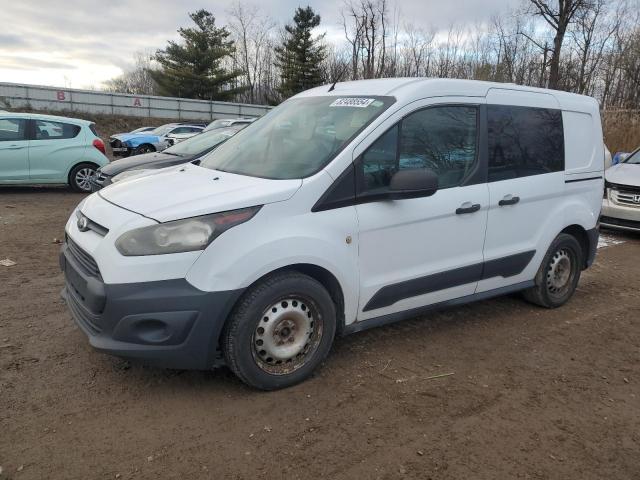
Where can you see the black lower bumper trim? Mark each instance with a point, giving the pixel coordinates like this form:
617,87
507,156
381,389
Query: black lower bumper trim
167,323
593,236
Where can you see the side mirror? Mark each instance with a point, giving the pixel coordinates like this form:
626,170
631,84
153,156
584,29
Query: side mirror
413,183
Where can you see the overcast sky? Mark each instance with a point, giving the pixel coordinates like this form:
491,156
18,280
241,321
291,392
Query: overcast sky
80,43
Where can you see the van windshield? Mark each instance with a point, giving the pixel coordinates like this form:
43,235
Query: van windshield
297,138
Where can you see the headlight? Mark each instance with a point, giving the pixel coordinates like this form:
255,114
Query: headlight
607,186
129,173
181,235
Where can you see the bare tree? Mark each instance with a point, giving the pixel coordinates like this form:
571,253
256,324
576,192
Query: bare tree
251,33
137,79
558,14
365,25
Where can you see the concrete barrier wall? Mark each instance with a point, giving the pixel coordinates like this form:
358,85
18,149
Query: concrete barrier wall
36,97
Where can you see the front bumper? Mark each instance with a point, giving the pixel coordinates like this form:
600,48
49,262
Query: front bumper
118,148
619,216
121,151
166,323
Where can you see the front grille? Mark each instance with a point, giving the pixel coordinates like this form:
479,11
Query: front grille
620,222
84,260
84,317
626,197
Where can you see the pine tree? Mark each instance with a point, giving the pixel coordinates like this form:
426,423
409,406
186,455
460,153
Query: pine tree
194,68
300,56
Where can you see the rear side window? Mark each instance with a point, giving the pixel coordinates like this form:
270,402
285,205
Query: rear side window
13,129
46,130
92,127
184,130
442,139
524,141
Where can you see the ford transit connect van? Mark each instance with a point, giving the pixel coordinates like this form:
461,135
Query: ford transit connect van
344,208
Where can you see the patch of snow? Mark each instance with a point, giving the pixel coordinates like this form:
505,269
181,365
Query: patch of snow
606,240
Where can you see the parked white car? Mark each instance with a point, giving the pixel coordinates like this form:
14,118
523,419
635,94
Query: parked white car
341,210
621,202
228,122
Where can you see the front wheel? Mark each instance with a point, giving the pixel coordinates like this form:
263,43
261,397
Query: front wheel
280,332
80,177
558,275
142,149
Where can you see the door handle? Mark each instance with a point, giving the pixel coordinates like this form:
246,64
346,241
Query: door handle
473,208
508,200
14,147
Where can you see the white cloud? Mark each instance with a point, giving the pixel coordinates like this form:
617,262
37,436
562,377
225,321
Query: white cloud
81,43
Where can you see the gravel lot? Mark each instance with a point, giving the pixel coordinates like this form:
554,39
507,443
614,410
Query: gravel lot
533,393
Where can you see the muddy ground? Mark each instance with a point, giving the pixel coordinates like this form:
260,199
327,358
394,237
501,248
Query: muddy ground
532,393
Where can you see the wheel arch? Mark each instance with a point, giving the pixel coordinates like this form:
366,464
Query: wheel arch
581,235
77,164
323,276
146,144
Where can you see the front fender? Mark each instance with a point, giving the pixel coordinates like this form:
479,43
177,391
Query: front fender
140,140
274,240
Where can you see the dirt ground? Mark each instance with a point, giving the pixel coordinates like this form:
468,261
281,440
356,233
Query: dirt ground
531,393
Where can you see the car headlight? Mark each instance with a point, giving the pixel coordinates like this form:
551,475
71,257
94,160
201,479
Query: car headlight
129,173
186,235
607,186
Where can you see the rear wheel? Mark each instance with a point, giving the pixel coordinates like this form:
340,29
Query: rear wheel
559,273
280,332
80,177
142,149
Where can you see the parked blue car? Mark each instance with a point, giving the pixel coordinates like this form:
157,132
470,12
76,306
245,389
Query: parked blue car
127,144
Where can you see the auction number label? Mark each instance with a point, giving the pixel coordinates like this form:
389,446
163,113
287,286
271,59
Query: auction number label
353,102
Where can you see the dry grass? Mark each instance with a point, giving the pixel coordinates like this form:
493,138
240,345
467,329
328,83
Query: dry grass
621,130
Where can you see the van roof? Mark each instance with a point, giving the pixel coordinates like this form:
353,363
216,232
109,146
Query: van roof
413,88
40,116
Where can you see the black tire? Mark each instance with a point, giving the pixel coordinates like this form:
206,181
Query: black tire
144,148
79,177
259,331
556,281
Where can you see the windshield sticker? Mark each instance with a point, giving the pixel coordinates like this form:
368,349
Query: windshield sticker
353,102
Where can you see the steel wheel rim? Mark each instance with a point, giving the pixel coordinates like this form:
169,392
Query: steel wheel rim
83,178
287,335
560,272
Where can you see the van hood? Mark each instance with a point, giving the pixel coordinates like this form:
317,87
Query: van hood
624,174
189,190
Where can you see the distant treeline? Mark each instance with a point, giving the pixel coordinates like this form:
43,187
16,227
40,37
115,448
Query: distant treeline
585,46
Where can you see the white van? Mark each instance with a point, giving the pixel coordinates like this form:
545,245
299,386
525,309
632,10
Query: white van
343,209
